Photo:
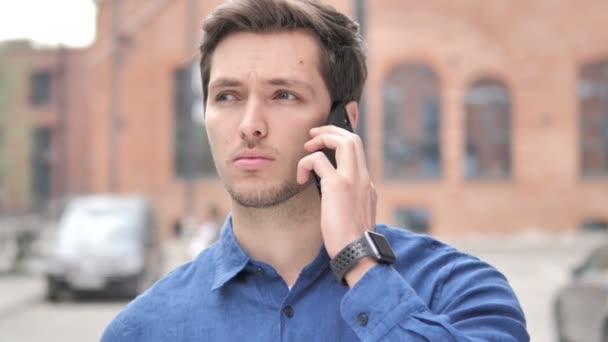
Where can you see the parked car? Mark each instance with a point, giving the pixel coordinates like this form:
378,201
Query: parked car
581,306
105,243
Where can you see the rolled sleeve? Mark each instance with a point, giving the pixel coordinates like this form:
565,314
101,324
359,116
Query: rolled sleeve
384,297
475,303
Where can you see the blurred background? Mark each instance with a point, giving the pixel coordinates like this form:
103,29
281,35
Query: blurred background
485,124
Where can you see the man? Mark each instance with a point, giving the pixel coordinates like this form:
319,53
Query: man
291,265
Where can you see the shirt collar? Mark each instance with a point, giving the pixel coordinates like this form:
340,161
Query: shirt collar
231,258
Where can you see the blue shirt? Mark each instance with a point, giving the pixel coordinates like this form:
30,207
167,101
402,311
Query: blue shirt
432,293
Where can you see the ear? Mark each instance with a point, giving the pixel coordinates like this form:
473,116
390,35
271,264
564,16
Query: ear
352,109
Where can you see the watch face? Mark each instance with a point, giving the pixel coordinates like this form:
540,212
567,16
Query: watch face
384,249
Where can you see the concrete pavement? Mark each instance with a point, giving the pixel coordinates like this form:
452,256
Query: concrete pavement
18,292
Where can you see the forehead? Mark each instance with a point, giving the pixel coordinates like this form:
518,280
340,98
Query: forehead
282,54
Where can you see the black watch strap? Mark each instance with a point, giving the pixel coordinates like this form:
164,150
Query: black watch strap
348,257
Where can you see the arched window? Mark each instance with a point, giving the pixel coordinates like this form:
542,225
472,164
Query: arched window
412,117
488,130
593,104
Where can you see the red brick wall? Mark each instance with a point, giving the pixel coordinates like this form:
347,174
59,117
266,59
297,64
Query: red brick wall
534,47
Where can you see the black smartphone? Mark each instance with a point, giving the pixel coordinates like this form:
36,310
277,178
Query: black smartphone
339,118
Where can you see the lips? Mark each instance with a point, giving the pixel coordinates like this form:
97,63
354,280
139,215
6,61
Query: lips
253,160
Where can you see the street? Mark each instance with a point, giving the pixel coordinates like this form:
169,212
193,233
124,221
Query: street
40,321
536,267
25,316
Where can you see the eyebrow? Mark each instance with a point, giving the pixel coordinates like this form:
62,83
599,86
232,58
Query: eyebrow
224,82
290,82
227,82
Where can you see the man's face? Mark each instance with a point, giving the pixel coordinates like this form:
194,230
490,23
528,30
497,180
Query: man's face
265,93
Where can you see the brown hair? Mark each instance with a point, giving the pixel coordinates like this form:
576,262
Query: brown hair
342,59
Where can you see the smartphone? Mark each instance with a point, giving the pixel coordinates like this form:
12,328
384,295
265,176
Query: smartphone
339,118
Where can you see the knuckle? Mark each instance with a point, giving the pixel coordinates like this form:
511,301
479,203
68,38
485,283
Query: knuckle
346,144
357,140
338,183
316,155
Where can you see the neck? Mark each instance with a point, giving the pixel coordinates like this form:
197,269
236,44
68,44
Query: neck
286,236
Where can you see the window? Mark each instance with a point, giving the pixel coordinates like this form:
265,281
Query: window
413,219
488,130
594,225
596,261
192,154
593,104
41,166
40,88
412,120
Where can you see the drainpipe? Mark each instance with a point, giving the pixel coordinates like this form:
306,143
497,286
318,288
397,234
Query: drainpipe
115,97
61,167
191,40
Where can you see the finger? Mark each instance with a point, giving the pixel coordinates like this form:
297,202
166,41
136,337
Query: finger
346,154
356,140
313,162
330,129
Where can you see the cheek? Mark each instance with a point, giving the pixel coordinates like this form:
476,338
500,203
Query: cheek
218,139
212,136
295,140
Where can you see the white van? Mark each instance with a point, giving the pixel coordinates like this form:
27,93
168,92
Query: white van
104,243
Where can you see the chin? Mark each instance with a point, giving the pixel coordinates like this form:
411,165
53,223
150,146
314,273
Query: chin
263,195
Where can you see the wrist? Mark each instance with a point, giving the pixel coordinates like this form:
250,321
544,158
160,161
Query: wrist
358,271
359,256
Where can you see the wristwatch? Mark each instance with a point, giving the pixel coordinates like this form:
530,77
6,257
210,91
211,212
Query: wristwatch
371,244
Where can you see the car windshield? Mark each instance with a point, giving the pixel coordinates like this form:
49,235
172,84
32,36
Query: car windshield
102,227
598,260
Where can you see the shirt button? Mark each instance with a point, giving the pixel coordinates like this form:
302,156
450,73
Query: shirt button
288,311
260,270
362,318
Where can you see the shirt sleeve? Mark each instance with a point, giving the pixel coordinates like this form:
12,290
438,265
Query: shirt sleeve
473,303
117,331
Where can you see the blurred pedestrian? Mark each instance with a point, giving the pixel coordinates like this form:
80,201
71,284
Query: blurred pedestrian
207,232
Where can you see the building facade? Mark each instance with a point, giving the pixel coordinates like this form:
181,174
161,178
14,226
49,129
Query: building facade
43,125
479,117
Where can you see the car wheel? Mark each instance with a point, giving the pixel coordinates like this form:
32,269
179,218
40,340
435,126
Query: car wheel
57,293
133,288
51,291
65,295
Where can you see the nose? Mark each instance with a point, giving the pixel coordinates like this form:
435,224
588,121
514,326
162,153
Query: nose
253,126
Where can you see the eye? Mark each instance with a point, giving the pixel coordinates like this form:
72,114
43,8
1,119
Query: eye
223,97
285,95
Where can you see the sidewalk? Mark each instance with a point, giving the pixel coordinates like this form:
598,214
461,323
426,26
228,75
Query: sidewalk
19,291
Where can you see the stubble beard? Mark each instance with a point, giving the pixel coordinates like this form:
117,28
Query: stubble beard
266,197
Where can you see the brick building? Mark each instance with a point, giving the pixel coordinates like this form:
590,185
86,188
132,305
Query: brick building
478,116
43,113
